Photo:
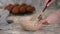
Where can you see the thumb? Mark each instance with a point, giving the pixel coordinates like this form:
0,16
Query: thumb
48,5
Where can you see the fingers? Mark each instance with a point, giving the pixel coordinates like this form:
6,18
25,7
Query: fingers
51,2
46,23
39,23
45,2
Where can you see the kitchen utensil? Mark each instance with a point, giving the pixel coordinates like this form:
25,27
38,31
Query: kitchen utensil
40,16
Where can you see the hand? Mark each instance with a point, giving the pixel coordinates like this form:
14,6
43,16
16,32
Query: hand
52,1
43,21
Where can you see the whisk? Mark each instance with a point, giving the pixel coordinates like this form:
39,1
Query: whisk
44,9
39,17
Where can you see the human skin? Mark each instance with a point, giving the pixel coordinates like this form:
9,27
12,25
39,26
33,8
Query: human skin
36,25
51,18
52,1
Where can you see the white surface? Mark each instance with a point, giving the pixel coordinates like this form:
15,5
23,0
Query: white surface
3,19
15,27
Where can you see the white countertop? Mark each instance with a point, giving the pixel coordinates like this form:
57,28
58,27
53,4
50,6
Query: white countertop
16,29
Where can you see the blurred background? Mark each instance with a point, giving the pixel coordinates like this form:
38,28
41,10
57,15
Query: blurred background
14,28
37,3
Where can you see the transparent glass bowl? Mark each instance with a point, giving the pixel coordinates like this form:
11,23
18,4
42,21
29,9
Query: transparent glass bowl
27,24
